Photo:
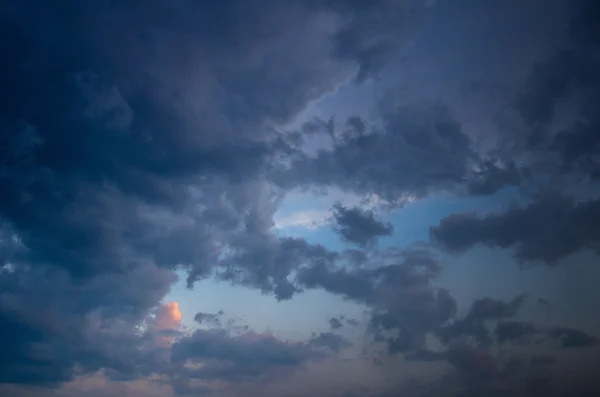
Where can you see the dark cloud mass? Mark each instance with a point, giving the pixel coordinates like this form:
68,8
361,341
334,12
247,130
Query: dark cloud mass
405,305
330,341
209,318
236,356
133,137
150,146
418,150
335,323
359,226
550,228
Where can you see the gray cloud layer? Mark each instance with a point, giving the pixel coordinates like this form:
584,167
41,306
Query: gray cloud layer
548,229
140,138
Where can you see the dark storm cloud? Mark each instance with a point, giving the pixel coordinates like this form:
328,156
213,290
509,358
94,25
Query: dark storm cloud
551,142
474,324
570,338
475,365
479,367
483,312
18,365
235,357
493,176
133,137
135,140
548,229
264,261
419,149
330,341
359,226
491,309
521,332
542,361
514,331
50,323
335,323
559,103
372,32
477,372
405,305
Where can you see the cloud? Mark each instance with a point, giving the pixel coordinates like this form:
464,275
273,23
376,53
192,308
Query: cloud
165,323
83,327
419,149
167,316
491,309
266,262
474,324
330,341
359,226
335,323
140,141
141,152
515,331
474,364
399,292
209,318
548,229
492,176
212,355
549,123
572,338
522,333
370,34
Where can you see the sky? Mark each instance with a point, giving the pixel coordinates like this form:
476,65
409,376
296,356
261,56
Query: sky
342,198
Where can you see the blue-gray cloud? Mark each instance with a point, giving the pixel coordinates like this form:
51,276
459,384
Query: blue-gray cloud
143,138
335,323
419,150
548,229
330,341
134,139
359,226
237,356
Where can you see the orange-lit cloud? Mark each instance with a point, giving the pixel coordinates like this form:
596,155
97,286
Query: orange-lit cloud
168,316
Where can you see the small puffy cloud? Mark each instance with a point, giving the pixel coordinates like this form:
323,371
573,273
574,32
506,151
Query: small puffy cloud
209,318
330,341
359,226
335,323
167,316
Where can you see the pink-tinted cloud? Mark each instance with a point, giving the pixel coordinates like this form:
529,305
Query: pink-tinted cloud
167,316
